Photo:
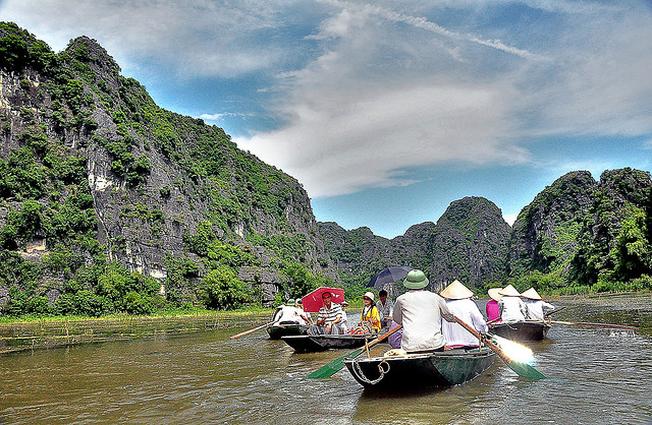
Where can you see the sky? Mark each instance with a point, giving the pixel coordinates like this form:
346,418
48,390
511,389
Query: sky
388,111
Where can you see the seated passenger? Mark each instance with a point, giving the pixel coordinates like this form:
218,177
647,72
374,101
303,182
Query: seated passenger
290,314
385,308
369,318
512,307
535,305
459,303
329,321
492,308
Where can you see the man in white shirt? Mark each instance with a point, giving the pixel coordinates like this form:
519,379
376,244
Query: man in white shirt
420,313
458,301
512,307
385,308
535,305
289,313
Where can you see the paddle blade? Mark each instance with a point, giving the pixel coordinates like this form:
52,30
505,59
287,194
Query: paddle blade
334,366
526,371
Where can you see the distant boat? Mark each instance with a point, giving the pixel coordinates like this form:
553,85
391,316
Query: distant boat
429,369
314,343
278,330
527,330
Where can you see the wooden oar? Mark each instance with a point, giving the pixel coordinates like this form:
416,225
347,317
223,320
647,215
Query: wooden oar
336,365
550,313
596,325
522,369
236,336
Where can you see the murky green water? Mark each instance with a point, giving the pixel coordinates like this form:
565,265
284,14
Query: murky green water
595,376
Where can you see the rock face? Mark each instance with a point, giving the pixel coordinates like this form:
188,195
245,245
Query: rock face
544,235
469,242
140,181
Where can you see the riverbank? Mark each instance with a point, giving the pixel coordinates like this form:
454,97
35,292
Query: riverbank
29,333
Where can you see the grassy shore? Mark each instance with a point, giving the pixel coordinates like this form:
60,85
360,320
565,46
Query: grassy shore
30,332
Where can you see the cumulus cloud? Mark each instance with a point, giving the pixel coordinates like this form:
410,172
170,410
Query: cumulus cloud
202,38
380,89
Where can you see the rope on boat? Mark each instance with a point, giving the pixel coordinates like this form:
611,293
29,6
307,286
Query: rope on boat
383,368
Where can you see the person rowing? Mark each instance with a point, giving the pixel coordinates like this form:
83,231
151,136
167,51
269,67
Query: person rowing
290,313
420,313
459,303
535,305
512,307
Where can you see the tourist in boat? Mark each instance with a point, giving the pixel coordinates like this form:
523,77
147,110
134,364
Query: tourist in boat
512,307
492,308
369,318
330,318
289,314
459,303
345,318
535,305
420,313
298,304
385,308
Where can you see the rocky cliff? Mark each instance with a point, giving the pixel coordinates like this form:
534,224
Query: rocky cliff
92,167
468,242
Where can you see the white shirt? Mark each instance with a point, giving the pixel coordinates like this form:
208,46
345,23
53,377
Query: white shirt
290,314
512,309
386,310
535,309
420,313
468,312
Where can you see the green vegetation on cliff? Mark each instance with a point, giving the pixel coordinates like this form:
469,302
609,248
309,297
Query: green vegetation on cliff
110,204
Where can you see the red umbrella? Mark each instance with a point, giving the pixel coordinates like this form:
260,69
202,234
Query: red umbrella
313,302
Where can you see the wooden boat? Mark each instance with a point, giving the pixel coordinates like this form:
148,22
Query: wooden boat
527,330
313,343
276,331
435,369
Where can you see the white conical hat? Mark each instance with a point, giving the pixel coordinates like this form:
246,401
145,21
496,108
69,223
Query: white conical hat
456,291
531,294
494,293
509,291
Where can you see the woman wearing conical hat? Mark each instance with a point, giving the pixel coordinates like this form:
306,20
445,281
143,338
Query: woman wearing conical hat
492,307
535,305
459,303
512,307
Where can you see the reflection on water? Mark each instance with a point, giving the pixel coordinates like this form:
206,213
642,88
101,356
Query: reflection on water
595,376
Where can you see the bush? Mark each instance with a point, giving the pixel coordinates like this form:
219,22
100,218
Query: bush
136,303
84,302
221,289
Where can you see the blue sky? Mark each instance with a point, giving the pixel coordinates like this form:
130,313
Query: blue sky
388,111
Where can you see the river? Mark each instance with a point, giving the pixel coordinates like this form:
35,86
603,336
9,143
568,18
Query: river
594,376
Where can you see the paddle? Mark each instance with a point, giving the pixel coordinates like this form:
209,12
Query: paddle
522,369
596,325
236,336
551,312
336,365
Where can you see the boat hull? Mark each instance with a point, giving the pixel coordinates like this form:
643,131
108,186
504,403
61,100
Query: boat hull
521,331
430,370
314,343
286,329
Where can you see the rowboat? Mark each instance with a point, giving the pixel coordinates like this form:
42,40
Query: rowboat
528,330
434,369
278,330
313,343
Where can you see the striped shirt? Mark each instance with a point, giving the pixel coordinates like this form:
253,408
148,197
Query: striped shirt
329,315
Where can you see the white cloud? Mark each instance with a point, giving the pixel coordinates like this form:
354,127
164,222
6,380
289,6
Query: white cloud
221,115
202,38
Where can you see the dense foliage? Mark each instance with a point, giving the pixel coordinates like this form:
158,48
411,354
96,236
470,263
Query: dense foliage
64,251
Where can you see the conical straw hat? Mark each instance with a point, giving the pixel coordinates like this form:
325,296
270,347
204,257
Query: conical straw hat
494,293
456,291
531,294
509,291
